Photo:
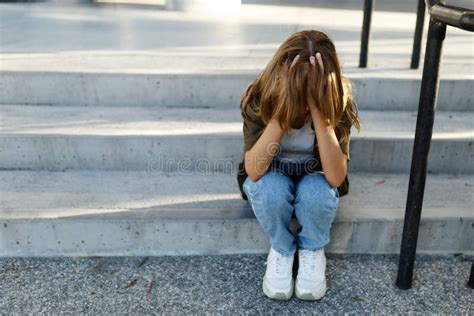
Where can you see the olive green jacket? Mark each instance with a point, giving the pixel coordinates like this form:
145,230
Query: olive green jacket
253,128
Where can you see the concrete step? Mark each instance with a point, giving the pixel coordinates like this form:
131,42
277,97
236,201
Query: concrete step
382,5
132,57
54,79
88,213
164,139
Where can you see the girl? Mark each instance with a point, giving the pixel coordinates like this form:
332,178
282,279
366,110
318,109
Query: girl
297,119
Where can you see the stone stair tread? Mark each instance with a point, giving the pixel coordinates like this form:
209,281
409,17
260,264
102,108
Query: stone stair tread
179,62
40,121
124,195
141,57
141,41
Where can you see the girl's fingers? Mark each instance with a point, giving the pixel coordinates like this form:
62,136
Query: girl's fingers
320,61
295,61
312,61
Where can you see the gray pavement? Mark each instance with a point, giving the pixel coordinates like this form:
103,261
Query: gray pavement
226,285
77,120
117,55
104,39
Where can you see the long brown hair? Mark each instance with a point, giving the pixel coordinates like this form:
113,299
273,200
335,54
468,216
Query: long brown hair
281,90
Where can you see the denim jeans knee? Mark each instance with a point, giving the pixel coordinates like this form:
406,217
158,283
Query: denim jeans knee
315,205
271,198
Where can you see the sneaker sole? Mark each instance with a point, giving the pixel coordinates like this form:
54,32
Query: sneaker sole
314,295
277,295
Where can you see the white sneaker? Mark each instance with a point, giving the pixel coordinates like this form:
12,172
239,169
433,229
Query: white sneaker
278,280
311,279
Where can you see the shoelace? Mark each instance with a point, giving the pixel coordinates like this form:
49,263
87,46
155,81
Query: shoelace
308,265
280,261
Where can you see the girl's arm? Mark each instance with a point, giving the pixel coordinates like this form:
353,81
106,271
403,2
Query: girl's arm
333,160
260,156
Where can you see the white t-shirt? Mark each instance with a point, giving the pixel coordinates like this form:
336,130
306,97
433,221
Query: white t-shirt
299,146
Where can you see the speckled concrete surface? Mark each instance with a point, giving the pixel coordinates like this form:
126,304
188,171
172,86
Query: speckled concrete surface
226,284
127,121
117,56
90,38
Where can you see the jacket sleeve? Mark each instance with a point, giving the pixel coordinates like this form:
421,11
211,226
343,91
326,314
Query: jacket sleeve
345,146
253,126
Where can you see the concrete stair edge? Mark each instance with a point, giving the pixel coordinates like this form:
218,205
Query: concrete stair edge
204,90
64,138
364,224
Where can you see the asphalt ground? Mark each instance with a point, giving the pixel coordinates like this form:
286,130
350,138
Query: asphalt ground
229,284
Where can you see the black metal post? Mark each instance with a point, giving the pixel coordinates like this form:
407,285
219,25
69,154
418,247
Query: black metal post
420,20
470,283
364,42
421,147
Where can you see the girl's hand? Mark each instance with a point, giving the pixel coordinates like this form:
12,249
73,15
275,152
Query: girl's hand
307,109
311,107
311,102
333,160
312,61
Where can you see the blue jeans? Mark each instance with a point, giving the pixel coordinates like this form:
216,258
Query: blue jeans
277,195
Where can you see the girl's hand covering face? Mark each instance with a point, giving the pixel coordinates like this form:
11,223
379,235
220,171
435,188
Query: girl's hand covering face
311,107
312,61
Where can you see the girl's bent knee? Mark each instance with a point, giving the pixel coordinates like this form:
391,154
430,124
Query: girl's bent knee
271,193
314,191
314,181
271,183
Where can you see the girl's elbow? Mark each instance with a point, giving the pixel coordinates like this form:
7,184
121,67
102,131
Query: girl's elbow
253,177
336,183
336,180
252,174
250,167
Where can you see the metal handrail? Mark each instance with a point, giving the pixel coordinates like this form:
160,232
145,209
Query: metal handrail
454,16
451,15
420,22
365,36
470,282
441,15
